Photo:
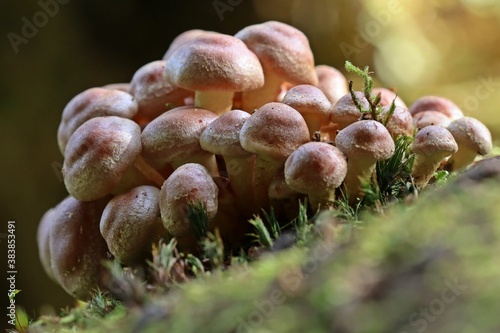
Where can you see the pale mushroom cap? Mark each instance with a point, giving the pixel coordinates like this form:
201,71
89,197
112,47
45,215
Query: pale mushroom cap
183,38
274,131
400,123
175,135
190,183
436,103
434,140
332,82
315,167
471,133
365,139
345,112
388,96
214,62
98,154
426,118
222,136
91,103
282,50
122,86
153,91
309,100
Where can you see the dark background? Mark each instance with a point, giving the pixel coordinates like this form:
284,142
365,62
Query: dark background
441,48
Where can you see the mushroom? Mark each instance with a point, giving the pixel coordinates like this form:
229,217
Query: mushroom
436,103
125,86
174,139
332,82
345,112
77,249
285,55
316,169
431,145
214,66
91,103
364,143
400,123
183,38
473,138
189,184
311,103
273,132
153,93
426,118
131,222
43,241
388,96
222,137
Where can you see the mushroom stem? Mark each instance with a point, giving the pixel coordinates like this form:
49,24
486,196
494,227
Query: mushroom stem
357,171
321,201
424,168
462,158
219,102
329,132
313,123
205,159
240,171
265,170
254,99
149,171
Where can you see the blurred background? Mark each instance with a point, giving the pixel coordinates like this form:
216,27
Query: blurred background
445,47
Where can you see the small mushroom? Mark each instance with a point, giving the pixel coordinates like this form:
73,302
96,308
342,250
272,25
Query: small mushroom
311,103
363,143
214,66
183,38
427,118
332,82
43,241
473,138
122,86
388,96
316,169
345,112
436,103
273,132
431,145
91,103
400,123
285,55
131,222
77,249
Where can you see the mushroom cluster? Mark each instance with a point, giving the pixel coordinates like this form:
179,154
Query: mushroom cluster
233,124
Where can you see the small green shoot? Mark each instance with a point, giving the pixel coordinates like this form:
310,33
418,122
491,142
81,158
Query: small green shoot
198,219
262,235
213,248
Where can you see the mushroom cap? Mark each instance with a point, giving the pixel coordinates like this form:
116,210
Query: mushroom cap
345,112
309,100
122,86
434,140
274,131
471,133
98,154
153,91
91,103
400,123
365,139
43,241
222,136
315,167
183,38
282,50
131,222
426,118
332,82
388,96
175,135
436,103
190,183
77,248
214,62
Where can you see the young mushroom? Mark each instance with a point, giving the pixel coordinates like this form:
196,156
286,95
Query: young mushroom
273,132
363,143
183,38
387,96
473,138
436,103
345,112
400,123
43,241
285,55
131,222
316,169
214,66
91,103
331,82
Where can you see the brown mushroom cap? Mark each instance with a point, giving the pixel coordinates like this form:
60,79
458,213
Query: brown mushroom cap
388,96
310,101
274,131
400,123
43,241
436,103
345,112
175,135
183,38
131,222
315,168
77,248
332,82
426,118
282,50
472,134
91,103
214,62
222,136
365,139
153,91
98,154
434,140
